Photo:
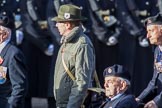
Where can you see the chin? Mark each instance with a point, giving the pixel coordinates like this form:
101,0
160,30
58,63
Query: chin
107,94
152,42
157,43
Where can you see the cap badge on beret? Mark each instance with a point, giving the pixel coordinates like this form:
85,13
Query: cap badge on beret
69,12
149,21
109,70
117,71
66,15
156,20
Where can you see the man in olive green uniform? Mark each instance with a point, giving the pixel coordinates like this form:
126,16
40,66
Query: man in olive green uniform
76,57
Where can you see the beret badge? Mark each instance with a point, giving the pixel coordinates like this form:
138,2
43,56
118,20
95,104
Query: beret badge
1,60
109,70
66,15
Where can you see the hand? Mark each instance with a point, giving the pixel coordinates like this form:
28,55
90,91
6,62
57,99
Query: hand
151,104
49,51
137,99
19,37
143,41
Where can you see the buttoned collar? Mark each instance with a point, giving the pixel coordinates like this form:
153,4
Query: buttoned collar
71,35
117,96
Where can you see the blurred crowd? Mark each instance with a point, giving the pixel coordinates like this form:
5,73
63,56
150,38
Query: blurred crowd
115,27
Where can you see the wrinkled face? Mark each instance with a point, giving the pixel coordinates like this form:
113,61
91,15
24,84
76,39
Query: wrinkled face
112,86
154,34
61,27
3,33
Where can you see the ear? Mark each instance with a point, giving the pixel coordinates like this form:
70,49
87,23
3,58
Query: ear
4,37
1,39
68,25
161,28
123,85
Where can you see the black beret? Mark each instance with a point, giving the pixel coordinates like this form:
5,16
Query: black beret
116,70
4,20
157,19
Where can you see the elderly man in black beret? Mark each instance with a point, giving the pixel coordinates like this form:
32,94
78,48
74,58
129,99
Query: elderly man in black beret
154,34
116,88
13,81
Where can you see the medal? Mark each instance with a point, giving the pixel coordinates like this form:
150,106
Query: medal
3,72
1,60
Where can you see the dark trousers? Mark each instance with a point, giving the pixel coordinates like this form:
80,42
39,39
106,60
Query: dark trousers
51,102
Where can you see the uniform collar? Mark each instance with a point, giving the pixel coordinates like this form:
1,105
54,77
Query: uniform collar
71,35
117,96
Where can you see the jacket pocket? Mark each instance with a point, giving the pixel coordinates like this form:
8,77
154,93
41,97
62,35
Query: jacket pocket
64,90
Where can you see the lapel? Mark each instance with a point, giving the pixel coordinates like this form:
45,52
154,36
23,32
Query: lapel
114,103
103,104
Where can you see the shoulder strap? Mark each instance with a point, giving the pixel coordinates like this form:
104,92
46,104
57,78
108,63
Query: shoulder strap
66,68
72,76
97,80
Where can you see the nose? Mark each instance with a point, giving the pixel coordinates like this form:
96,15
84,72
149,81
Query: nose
105,85
148,35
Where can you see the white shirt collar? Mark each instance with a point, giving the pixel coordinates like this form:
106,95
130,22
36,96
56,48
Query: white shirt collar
160,47
117,96
3,44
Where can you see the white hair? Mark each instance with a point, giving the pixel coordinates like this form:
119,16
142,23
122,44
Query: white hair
159,27
126,80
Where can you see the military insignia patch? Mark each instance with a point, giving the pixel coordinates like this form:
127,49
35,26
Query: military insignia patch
3,72
109,70
149,21
158,66
66,15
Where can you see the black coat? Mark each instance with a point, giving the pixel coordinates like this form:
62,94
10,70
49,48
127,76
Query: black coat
34,45
13,90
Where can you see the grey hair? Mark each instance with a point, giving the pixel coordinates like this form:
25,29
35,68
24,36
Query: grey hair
159,27
127,81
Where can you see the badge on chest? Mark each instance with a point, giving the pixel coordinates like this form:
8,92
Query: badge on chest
1,60
3,72
158,66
